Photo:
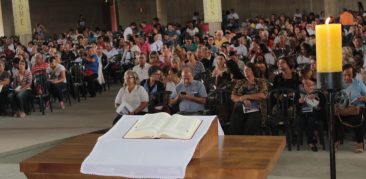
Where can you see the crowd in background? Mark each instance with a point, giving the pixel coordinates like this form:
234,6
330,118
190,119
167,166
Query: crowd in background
176,67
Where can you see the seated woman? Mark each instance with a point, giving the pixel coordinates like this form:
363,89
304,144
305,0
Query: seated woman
309,107
57,80
153,86
220,73
21,89
234,73
132,98
357,91
248,94
4,84
196,66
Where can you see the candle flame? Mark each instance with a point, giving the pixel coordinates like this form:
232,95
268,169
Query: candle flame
327,20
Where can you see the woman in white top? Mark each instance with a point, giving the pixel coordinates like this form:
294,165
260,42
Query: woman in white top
57,80
132,98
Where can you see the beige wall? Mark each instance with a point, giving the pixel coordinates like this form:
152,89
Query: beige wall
1,21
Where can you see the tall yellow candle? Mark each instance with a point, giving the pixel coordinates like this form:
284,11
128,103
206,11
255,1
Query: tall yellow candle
328,48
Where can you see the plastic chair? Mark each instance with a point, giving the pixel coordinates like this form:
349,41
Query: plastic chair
41,92
77,81
281,112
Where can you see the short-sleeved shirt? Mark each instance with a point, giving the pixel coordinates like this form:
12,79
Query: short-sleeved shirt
39,68
142,73
93,66
198,68
355,89
55,74
243,87
22,80
133,98
196,88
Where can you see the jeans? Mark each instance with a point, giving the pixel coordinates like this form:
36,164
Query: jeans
18,100
56,90
91,84
3,96
352,120
311,122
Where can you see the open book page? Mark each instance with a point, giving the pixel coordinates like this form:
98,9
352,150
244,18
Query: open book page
180,127
148,126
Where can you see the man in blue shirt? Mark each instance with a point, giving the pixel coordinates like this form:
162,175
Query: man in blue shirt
191,94
357,94
91,63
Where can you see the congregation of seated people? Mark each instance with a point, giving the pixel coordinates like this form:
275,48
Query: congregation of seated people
249,71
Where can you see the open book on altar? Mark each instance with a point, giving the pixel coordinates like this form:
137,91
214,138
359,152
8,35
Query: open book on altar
163,125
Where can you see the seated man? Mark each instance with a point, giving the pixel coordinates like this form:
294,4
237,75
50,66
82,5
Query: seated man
357,92
191,94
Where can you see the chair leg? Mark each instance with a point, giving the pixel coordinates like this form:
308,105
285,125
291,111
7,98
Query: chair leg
288,135
68,96
299,138
51,106
41,105
321,134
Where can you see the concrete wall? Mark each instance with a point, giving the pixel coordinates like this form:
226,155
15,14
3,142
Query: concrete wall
61,15
182,10
7,17
135,11
252,8
58,15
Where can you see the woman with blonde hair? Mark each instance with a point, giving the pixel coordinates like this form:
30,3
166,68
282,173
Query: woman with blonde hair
132,99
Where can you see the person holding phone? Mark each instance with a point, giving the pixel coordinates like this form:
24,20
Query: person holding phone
191,94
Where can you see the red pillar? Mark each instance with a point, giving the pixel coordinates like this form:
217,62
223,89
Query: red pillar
113,16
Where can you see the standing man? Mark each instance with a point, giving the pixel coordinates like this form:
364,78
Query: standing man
91,69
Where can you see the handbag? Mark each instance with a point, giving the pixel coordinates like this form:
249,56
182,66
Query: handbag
348,111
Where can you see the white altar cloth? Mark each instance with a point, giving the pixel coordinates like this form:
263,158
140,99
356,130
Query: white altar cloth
142,158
